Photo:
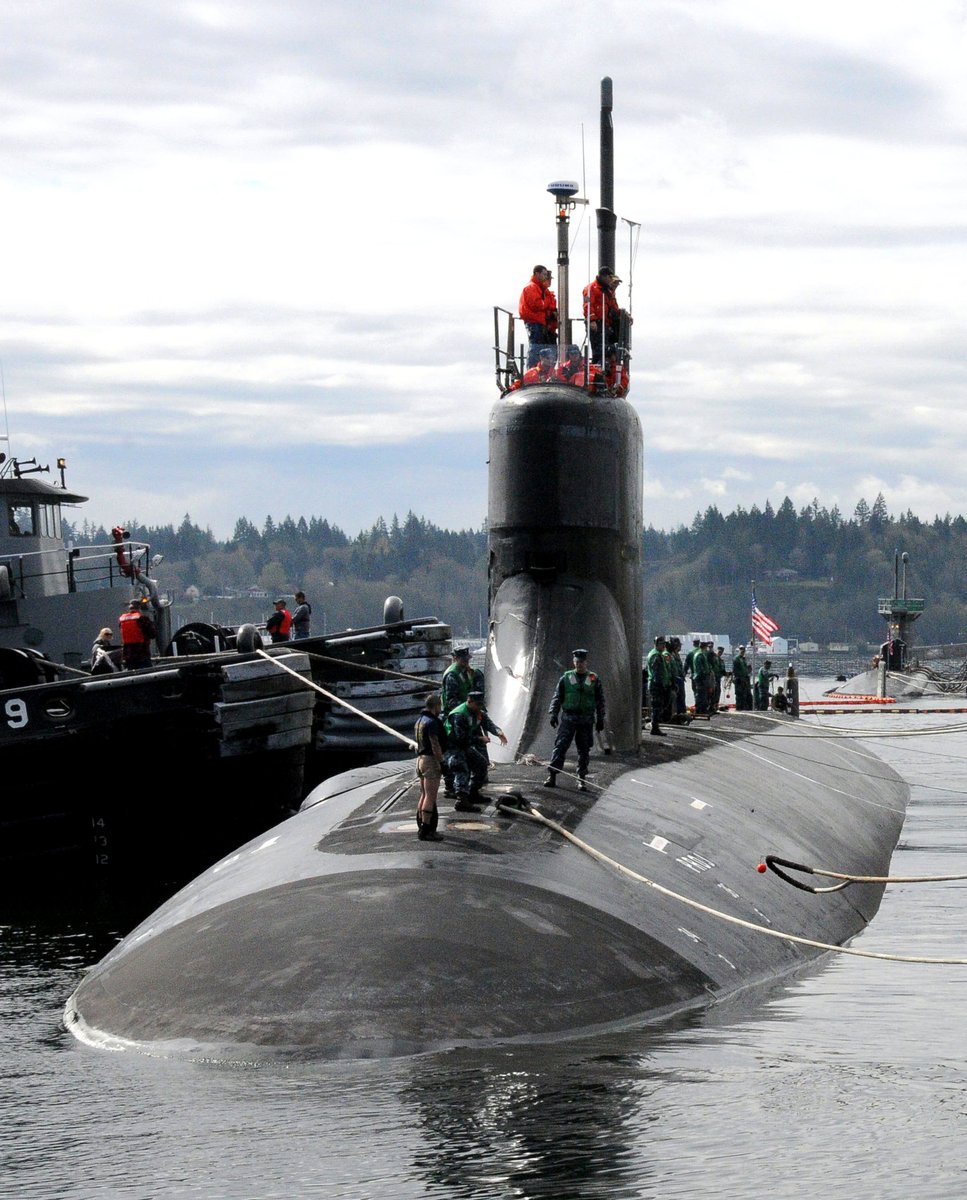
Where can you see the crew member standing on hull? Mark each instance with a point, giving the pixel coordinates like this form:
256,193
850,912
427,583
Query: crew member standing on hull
579,705
430,738
459,680
762,686
279,623
701,673
717,663
467,728
659,683
538,311
679,707
742,678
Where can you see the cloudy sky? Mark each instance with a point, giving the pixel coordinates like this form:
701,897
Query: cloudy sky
251,249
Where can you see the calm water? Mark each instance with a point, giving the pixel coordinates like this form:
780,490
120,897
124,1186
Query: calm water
851,1080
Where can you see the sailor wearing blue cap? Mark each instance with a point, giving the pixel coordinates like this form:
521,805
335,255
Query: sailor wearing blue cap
459,680
579,705
467,729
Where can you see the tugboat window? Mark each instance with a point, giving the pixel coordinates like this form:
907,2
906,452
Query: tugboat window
49,520
20,520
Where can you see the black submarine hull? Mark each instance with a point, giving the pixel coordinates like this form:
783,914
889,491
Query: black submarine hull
339,934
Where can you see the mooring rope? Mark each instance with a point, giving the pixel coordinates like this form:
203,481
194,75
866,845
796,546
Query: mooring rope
774,863
338,700
533,814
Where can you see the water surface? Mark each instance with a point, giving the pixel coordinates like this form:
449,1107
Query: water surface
849,1080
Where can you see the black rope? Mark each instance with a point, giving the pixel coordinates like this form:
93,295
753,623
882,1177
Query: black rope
774,863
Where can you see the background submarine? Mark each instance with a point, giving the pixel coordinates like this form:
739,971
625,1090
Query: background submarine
339,934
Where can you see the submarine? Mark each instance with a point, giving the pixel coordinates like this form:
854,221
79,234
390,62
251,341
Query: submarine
551,914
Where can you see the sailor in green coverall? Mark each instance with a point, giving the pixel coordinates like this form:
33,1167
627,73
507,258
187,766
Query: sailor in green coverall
459,680
701,674
762,686
742,678
578,704
659,682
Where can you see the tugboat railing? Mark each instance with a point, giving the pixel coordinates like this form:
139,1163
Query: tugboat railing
82,568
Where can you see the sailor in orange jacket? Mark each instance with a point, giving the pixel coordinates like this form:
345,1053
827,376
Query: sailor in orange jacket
544,372
137,630
601,310
538,311
615,380
572,367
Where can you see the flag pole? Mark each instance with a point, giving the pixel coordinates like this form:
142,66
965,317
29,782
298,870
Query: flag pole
752,626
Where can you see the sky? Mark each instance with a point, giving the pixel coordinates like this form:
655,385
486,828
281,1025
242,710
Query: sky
251,250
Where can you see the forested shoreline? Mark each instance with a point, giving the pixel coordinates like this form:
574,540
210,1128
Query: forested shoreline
818,573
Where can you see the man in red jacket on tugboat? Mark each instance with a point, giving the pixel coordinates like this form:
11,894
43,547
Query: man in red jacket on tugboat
279,623
137,630
538,311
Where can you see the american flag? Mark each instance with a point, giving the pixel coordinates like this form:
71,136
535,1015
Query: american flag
763,627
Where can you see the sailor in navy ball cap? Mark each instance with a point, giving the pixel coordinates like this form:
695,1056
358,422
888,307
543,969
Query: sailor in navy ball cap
467,728
578,704
459,680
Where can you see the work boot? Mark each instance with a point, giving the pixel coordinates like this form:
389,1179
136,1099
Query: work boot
428,833
479,797
464,804
551,780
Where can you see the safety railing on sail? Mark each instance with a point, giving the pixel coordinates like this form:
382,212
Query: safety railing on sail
81,569
543,363
508,359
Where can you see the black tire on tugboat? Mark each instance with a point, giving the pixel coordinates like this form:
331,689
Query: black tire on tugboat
23,668
392,610
247,639
199,637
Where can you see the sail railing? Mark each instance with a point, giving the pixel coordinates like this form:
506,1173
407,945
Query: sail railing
513,368
508,358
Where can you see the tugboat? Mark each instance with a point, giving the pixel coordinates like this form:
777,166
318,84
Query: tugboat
136,773
159,771
604,902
